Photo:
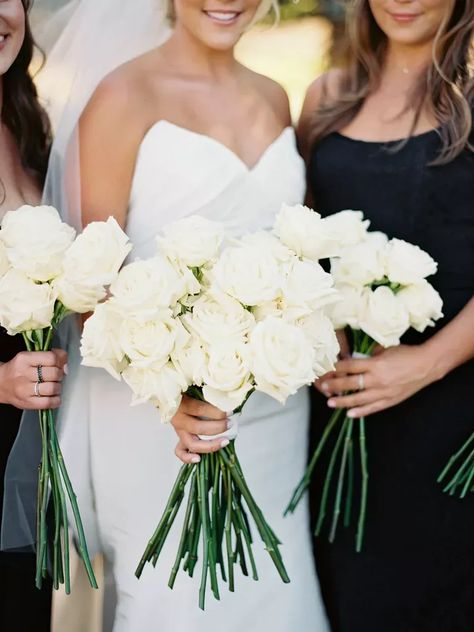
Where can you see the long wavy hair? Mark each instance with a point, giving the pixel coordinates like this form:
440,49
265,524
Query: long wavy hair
22,113
446,88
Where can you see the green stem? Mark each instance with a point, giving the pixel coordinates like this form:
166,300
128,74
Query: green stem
340,482
365,479
184,535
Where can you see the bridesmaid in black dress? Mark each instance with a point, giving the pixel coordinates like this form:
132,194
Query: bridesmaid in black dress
24,145
416,572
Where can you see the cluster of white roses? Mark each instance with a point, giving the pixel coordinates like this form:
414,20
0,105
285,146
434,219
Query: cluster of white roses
382,284
221,315
46,271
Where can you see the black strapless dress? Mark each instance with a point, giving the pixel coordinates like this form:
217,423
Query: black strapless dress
23,608
416,572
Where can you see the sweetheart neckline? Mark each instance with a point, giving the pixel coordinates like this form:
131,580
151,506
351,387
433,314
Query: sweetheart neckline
218,143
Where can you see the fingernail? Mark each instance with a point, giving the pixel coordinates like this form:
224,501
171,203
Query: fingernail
332,403
66,369
325,386
230,423
225,443
196,459
351,413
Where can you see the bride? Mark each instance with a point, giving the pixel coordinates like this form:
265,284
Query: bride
182,129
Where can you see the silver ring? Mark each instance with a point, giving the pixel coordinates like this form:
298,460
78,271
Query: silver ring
361,378
39,370
37,393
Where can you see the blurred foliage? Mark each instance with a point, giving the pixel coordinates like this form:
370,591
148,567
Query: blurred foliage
333,10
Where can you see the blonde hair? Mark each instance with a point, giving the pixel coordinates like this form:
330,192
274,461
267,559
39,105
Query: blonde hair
446,88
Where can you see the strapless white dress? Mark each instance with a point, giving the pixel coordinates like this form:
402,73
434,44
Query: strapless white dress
131,453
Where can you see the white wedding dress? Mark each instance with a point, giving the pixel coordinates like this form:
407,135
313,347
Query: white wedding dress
132,461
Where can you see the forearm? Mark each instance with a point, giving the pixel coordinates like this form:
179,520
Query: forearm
453,345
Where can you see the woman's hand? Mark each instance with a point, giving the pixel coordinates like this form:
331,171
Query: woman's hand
19,376
198,418
384,380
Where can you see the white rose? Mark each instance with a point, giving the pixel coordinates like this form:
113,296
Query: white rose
193,241
423,303
248,274
280,359
97,254
163,386
4,261
386,318
218,317
308,286
302,230
36,240
24,304
361,264
190,360
348,227
150,338
100,344
407,263
78,297
148,285
321,334
268,242
227,379
350,307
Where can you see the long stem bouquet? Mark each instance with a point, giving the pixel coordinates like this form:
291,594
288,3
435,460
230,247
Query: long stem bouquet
46,273
383,289
217,319
461,480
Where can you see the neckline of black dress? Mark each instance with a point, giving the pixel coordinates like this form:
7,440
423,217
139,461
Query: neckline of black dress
396,141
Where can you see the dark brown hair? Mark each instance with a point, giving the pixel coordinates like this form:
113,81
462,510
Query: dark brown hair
446,88
22,113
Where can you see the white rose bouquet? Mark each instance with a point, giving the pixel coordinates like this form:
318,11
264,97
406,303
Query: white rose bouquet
216,319
383,292
462,481
46,273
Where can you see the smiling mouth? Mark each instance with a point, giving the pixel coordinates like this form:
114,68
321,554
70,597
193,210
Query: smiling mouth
223,17
405,17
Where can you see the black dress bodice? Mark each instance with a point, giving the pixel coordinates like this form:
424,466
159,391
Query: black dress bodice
416,572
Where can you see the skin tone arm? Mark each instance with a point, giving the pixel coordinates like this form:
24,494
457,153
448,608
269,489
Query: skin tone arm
107,166
18,377
393,375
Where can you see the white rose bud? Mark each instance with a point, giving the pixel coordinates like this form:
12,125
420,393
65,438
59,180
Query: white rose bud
190,360
4,261
100,344
163,386
407,263
281,360
148,285
227,380
79,298
97,254
36,240
361,264
194,241
307,286
248,274
423,303
266,241
386,318
24,304
218,317
321,335
303,231
351,306
348,227
150,338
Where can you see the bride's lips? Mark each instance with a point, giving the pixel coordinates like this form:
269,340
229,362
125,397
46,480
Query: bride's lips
404,18
223,18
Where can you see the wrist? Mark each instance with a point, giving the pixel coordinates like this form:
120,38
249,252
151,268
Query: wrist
437,360
3,393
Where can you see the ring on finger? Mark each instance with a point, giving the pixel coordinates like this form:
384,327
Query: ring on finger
37,391
39,370
361,381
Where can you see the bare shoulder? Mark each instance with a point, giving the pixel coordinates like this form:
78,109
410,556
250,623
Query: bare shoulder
274,93
325,87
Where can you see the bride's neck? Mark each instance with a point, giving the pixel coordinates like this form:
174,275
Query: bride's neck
193,56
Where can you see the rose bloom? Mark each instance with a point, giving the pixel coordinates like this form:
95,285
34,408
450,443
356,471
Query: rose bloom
36,241
385,319
423,303
407,263
227,379
347,227
194,241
